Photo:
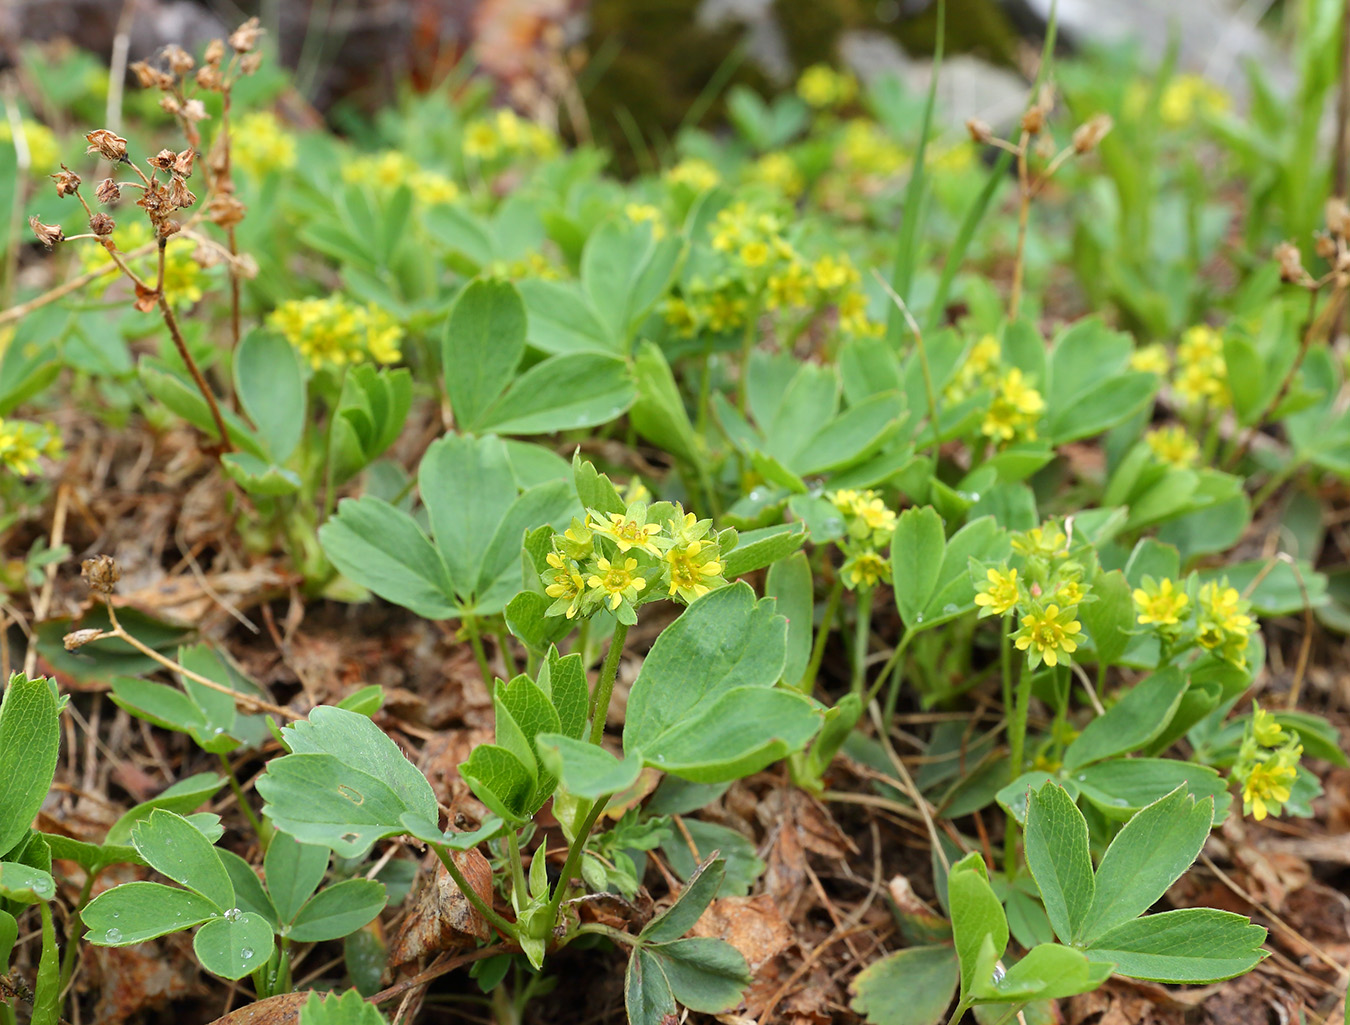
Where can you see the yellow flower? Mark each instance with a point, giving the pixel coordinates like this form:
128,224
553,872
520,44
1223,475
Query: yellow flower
725,312
628,531
1186,96
1015,409
845,500
480,140
22,443
833,273
432,187
1267,784
567,586
1159,602
1048,636
1044,541
645,213
788,288
1069,592
617,583
953,159
260,144
865,569
1199,343
1172,445
697,174
1151,358
999,593
1265,729
333,331
779,171
874,514
680,316
754,254
183,276
821,86
693,569
867,150
853,315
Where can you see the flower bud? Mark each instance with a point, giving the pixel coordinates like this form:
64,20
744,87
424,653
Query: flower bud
107,144
101,573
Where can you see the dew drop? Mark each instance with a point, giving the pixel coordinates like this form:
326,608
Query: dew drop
246,953
919,618
117,914
832,524
998,974
233,915
950,610
114,935
1082,778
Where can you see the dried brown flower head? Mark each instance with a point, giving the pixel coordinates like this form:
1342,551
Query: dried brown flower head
245,37
208,77
1324,245
170,105
146,76
108,191
79,638
47,234
215,50
225,211
194,111
179,60
108,144
1338,217
182,163
251,62
1291,263
1088,136
101,573
101,224
67,181
979,130
179,194
163,160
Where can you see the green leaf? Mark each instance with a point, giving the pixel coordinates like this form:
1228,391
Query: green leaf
337,910
483,344
979,928
181,798
587,770
913,986
270,385
789,582
564,392
345,786
249,894
1193,945
742,865
703,706
624,270
25,884
294,871
693,900
1120,787
234,946
1148,855
705,974
9,932
1057,855
30,735
1128,725
347,1009
756,549
467,486
563,679
561,320
173,847
382,548
183,398
369,417
646,993
594,489
917,548
502,781
659,414
1048,972
954,594
1110,618
526,620
140,911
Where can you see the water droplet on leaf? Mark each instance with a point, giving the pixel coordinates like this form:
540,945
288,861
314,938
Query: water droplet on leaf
114,935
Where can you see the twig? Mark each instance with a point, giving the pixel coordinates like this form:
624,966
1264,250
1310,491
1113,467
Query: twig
65,288
437,970
117,66
171,322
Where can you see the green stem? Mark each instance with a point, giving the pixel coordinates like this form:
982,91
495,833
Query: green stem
892,695
747,347
604,689
961,1009
504,646
704,391
476,641
263,838
862,632
1017,725
1275,481
76,931
1063,689
47,991
497,921
596,929
574,852
808,681
521,896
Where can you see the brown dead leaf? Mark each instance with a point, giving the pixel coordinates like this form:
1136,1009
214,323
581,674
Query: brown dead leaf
1254,999
613,910
130,981
282,1009
441,758
443,919
753,925
1111,1005
186,600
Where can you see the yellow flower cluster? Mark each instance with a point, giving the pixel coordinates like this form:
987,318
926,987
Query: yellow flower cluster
778,171
1015,410
822,87
866,149
1173,446
389,169
1044,594
334,332
1159,604
1223,623
44,153
697,174
1201,375
1152,359
505,133
184,278
610,560
646,213
869,525
260,144
1184,98
22,443
1267,764
1048,635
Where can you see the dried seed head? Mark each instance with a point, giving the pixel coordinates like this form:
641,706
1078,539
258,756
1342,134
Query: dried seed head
245,37
178,59
179,194
1290,261
169,227
163,160
251,63
1338,217
108,191
194,111
107,144
208,77
215,50
102,224
146,76
170,104
47,234
979,131
79,638
67,181
225,211
101,573
1088,136
1045,147
1033,120
182,163
1324,245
